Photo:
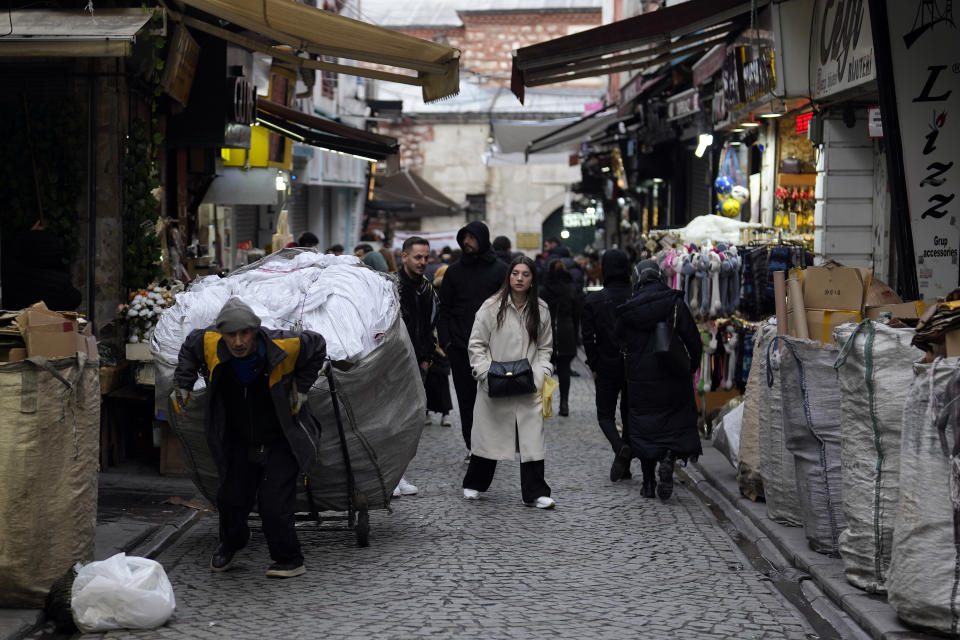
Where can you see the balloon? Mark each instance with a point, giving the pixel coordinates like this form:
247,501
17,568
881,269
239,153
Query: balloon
730,208
722,185
740,193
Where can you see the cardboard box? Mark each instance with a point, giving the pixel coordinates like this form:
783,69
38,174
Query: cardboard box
112,377
834,287
138,351
902,311
47,333
822,322
952,343
13,354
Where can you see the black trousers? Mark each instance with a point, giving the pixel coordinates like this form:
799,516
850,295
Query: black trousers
466,388
649,468
532,484
608,388
272,486
563,376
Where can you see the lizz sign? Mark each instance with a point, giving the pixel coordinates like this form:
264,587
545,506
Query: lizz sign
926,75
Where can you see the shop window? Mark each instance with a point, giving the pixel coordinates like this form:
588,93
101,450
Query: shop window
476,207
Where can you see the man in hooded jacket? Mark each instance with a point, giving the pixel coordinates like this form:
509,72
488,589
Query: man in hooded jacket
604,354
467,283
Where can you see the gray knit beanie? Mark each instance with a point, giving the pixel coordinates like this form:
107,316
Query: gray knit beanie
235,315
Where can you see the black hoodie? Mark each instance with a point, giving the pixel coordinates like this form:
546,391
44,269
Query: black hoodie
599,315
467,283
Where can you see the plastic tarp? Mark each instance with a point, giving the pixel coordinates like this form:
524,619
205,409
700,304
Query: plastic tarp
922,584
875,367
378,385
748,454
49,448
810,398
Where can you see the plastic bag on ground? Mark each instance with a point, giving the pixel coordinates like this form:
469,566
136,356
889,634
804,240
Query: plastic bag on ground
922,584
810,398
121,592
876,370
726,437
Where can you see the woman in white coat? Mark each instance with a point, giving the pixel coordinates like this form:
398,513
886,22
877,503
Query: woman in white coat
512,324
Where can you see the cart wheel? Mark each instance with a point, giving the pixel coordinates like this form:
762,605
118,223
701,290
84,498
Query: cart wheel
363,521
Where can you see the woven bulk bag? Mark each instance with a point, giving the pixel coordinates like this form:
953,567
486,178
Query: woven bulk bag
922,584
810,399
49,451
875,367
748,466
777,465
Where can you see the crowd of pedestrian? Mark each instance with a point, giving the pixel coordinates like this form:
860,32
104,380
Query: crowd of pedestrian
495,321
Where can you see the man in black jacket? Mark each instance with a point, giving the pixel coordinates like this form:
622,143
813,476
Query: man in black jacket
418,306
604,355
257,381
467,283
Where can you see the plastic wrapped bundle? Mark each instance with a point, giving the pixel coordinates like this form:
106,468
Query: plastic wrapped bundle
378,385
810,397
876,369
777,466
922,584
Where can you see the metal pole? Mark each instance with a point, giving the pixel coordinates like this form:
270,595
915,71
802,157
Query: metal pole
907,285
91,204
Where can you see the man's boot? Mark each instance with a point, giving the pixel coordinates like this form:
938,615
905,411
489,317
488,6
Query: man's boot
621,464
649,488
665,487
564,408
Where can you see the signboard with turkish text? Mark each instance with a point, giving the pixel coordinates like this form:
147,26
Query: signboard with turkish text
926,74
683,104
841,54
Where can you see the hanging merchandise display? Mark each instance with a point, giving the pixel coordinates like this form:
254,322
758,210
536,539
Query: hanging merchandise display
875,368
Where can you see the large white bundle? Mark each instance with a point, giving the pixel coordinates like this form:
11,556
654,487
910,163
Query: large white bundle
922,584
876,369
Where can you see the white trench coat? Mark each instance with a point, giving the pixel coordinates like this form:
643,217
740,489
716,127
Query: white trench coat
494,435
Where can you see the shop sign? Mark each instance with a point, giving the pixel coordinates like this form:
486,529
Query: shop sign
841,56
528,240
731,80
720,113
926,77
576,219
758,73
803,122
683,104
241,101
708,65
874,123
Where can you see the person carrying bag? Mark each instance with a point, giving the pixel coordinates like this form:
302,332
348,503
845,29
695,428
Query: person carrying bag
509,348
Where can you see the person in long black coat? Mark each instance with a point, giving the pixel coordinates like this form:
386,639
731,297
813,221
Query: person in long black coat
662,423
562,296
604,354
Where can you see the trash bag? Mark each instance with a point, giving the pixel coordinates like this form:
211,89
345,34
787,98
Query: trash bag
748,446
121,592
875,366
726,437
922,584
810,397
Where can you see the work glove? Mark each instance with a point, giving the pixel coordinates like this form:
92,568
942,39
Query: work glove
182,397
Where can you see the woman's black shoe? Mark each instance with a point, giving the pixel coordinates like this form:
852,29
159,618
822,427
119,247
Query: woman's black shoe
665,488
564,408
649,489
222,559
621,464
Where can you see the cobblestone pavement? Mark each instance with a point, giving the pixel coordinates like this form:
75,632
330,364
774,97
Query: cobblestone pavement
605,563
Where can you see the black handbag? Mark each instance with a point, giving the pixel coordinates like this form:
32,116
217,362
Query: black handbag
669,349
510,379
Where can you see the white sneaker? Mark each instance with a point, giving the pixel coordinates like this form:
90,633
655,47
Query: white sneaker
543,502
404,488
471,494
445,421
428,420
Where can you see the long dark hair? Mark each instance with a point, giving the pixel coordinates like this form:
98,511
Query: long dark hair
533,297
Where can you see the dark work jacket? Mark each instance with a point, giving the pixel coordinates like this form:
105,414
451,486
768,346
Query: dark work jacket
598,324
418,305
292,360
563,298
466,284
663,412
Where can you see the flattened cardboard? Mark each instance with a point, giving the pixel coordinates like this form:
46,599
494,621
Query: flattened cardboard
952,343
822,322
902,311
47,333
833,287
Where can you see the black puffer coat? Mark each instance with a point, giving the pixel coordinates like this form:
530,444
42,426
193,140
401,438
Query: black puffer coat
599,317
563,298
466,284
663,411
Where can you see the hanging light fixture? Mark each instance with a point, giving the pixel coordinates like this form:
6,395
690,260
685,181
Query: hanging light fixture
777,109
705,140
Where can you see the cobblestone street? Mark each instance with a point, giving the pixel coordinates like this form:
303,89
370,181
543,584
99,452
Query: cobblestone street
605,563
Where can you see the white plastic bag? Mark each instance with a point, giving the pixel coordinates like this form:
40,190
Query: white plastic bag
121,592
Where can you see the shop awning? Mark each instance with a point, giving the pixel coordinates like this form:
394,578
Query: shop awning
67,33
327,134
408,195
641,42
307,30
570,136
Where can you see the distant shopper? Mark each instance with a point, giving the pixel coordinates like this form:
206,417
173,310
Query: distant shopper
662,424
336,250
502,247
605,357
389,259
437,384
513,324
257,382
467,283
371,258
308,240
563,298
